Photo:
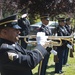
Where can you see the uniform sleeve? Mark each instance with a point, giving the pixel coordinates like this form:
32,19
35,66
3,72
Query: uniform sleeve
30,58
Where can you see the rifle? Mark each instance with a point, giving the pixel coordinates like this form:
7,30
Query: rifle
71,53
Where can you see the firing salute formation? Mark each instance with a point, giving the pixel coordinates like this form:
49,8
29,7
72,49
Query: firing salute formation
16,60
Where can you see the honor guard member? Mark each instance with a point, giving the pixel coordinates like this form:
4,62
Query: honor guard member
69,30
68,25
24,23
61,31
44,28
14,59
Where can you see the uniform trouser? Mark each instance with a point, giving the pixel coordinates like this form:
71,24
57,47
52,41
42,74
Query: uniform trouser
65,56
58,65
43,65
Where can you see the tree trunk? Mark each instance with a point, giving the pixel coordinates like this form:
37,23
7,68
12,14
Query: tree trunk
1,9
1,13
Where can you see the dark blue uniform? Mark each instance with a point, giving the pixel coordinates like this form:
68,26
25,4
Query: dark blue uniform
65,59
24,64
68,29
14,59
43,66
61,31
25,25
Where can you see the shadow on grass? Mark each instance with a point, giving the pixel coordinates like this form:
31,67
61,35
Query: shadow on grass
48,73
51,66
52,72
35,73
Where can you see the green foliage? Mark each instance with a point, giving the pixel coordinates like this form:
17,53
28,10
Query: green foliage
34,19
53,7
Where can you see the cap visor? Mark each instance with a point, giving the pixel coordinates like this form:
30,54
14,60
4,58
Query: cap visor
17,27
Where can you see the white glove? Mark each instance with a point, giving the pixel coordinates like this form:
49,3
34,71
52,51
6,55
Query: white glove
41,38
53,52
69,46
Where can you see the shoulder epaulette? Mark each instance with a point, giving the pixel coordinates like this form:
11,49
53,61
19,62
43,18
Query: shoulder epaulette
6,46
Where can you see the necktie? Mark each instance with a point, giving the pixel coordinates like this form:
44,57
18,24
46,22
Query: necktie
48,31
65,30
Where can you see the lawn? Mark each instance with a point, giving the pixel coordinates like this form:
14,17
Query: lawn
68,70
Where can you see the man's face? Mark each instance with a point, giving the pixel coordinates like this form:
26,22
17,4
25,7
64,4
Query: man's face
12,34
44,21
68,22
62,23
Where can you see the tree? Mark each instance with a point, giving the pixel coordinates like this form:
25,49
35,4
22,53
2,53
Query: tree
35,7
53,7
8,7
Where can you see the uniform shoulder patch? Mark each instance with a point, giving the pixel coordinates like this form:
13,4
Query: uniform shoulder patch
12,56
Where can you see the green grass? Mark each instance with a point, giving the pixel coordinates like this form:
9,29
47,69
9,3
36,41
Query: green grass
68,70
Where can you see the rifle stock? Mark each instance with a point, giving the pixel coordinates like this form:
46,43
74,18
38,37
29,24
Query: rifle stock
73,48
71,53
56,59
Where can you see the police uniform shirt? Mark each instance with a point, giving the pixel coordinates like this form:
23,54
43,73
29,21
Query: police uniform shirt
62,31
45,29
24,63
68,29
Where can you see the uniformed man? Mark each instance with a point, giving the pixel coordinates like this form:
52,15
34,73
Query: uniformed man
24,23
14,59
68,25
61,31
69,30
44,28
